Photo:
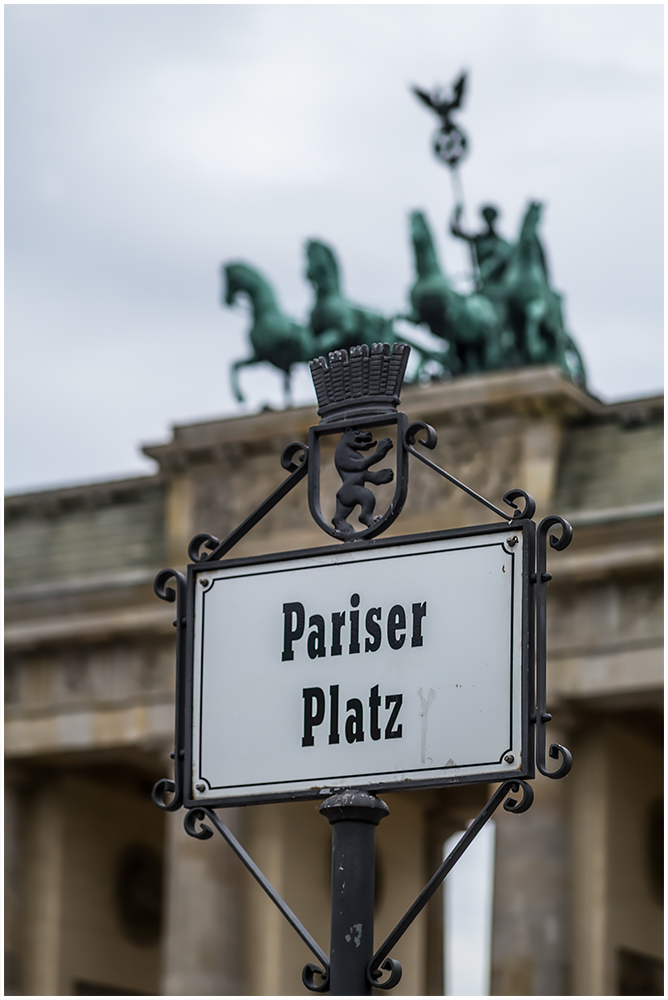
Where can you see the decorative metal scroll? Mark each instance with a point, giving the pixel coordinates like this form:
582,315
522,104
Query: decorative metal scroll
166,786
355,393
557,542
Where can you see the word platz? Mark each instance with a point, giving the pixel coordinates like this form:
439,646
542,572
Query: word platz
314,715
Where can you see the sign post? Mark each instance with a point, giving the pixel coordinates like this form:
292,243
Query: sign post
354,817
366,665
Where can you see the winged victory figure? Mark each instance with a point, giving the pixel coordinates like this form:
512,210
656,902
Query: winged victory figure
450,143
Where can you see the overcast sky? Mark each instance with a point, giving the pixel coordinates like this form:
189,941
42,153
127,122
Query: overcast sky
145,145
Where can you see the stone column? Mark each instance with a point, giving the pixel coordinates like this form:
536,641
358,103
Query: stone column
203,942
615,914
530,934
42,967
14,865
590,839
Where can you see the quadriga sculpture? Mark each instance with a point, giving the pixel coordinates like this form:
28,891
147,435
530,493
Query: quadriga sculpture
515,319
274,336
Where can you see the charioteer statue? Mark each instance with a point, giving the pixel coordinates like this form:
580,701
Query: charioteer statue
491,250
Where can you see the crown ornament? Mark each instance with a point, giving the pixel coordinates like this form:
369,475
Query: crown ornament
365,384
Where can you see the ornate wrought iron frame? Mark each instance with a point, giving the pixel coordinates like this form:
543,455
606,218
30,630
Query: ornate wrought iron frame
206,552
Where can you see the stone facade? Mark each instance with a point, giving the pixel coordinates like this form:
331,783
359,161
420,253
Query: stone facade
89,717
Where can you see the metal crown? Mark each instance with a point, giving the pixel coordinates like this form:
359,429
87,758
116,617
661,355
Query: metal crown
366,384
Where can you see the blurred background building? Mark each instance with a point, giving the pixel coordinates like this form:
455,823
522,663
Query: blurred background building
107,895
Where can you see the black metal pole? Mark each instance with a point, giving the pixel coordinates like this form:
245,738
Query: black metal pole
354,817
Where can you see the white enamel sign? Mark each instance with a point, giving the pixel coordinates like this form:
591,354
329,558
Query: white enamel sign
363,667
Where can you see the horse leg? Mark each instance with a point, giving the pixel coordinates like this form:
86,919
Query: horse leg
535,346
571,361
234,377
457,358
422,361
287,394
473,363
491,350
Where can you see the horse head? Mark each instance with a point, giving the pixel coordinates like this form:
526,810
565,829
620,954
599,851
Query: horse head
531,220
420,231
426,257
322,268
239,278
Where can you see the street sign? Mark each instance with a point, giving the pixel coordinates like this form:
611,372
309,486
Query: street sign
399,662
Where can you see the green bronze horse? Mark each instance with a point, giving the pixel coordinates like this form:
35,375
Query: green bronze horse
274,336
469,323
533,310
333,312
